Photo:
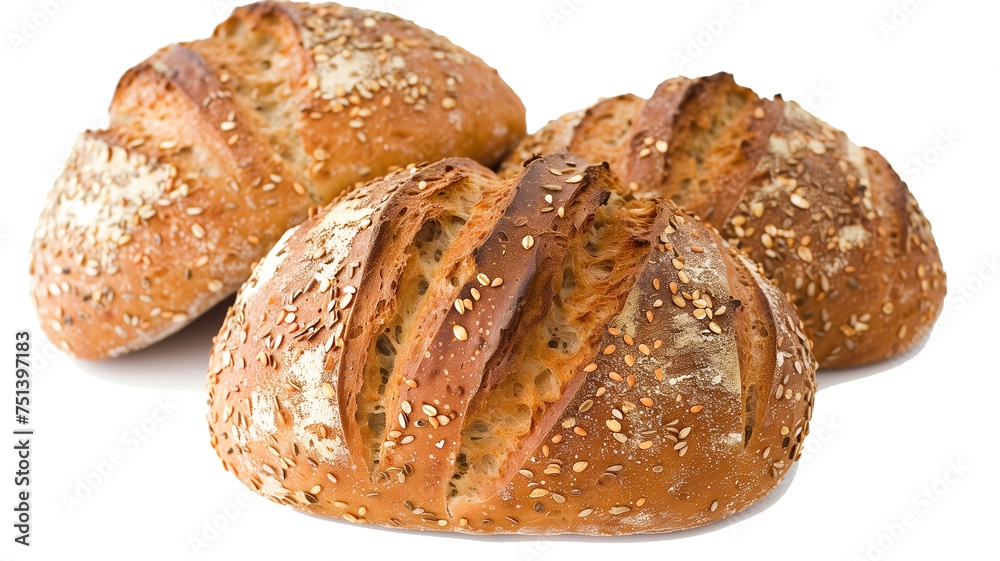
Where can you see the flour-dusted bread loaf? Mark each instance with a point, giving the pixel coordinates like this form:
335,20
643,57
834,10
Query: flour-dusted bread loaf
445,350
830,221
217,146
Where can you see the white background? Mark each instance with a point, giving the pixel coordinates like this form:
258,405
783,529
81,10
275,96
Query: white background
902,461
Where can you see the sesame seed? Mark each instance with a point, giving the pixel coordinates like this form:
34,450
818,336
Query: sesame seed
483,280
346,300
661,146
448,103
460,333
580,466
527,241
614,425
575,179
328,391
496,282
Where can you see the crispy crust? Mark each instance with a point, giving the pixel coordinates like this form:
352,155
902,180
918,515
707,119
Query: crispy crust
661,422
217,146
832,223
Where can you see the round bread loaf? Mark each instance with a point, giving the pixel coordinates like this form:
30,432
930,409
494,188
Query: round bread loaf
216,147
445,350
830,221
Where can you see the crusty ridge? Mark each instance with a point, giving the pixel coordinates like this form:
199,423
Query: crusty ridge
629,451
411,252
526,391
547,214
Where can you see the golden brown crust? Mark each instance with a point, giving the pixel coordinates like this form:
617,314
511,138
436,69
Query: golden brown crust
830,221
649,436
217,146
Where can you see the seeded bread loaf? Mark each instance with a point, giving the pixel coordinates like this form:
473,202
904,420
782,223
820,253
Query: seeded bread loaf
831,222
217,146
442,349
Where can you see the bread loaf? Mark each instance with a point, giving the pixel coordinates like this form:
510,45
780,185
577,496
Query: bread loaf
444,350
831,222
215,147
